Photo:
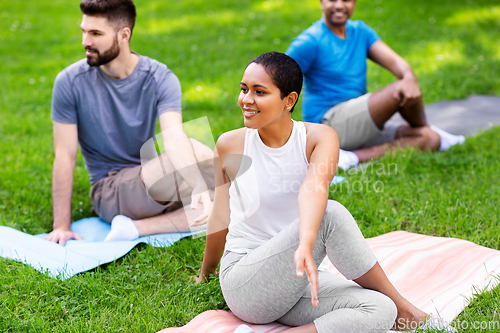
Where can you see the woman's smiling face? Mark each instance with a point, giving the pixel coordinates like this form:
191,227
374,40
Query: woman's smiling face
260,100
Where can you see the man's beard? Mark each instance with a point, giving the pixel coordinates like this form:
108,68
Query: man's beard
106,57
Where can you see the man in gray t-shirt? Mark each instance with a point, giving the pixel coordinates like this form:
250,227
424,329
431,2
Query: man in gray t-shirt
109,103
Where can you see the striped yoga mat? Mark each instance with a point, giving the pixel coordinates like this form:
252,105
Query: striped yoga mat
439,275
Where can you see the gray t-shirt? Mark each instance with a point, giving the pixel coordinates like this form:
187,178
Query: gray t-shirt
114,117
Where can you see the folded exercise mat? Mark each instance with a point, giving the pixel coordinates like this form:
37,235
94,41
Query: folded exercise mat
438,275
76,256
462,116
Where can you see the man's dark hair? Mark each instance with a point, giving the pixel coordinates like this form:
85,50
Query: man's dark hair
283,70
121,13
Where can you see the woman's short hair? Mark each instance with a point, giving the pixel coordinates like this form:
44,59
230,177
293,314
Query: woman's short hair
283,70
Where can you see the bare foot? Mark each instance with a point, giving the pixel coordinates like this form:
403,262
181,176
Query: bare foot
409,317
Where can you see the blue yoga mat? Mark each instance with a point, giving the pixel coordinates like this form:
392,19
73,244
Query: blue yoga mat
76,256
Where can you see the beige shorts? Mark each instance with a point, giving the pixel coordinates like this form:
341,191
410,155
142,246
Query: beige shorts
354,125
123,192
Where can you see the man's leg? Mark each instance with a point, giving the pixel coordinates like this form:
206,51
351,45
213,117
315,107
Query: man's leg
124,228
360,123
420,137
162,181
382,105
174,221
165,199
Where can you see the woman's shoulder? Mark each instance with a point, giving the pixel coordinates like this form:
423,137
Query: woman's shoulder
315,131
232,142
320,135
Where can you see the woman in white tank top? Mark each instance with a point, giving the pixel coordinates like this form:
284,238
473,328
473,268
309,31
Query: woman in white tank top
273,220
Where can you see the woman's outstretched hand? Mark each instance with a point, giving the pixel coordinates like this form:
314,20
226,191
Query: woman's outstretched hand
304,262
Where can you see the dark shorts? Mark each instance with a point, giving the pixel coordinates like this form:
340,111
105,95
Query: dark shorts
124,193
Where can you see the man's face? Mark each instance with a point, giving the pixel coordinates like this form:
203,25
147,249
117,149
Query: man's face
337,12
99,39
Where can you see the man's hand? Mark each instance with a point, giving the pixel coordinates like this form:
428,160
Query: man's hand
304,261
206,202
61,235
408,90
65,148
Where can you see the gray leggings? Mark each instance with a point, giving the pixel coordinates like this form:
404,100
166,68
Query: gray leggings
262,286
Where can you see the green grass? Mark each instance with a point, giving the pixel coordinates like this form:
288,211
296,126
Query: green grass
452,45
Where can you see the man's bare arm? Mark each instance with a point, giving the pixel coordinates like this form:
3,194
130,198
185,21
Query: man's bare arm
408,89
65,149
383,55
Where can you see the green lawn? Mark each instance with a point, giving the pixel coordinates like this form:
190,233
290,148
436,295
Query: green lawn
452,45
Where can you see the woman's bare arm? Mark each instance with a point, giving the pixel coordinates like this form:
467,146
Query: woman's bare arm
229,144
323,152
216,236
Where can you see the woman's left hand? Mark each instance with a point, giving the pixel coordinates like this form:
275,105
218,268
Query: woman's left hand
304,262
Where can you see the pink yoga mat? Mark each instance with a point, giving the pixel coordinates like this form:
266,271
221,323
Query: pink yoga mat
439,275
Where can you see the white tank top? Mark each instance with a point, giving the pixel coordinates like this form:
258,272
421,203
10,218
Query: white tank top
264,195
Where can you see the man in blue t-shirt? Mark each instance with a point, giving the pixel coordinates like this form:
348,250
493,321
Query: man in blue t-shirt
108,103
332,54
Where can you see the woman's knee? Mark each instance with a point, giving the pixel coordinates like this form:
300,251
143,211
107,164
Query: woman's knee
336,215
384,313
388,311
335,209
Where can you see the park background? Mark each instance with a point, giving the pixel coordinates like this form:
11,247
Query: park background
453,46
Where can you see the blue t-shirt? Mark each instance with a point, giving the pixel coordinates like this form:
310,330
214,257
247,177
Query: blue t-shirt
114,117
334,68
